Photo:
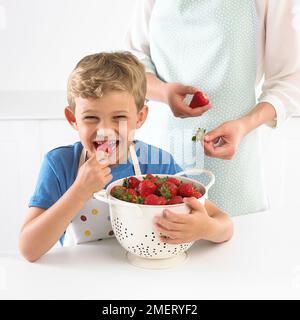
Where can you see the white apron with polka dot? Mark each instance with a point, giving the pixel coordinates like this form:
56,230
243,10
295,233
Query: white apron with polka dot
211,44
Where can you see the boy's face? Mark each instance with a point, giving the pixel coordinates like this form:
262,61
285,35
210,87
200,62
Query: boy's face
107,123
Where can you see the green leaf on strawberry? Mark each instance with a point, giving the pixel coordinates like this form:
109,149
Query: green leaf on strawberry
199,135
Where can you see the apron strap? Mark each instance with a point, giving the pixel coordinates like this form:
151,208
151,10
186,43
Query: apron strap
82,158
135,161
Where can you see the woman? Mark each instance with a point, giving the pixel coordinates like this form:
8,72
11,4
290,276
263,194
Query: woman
223,48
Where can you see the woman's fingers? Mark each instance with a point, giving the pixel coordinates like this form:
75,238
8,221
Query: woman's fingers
188,90
198,111
214,134
225,151
184,111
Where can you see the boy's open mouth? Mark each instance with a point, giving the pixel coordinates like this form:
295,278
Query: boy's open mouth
108,146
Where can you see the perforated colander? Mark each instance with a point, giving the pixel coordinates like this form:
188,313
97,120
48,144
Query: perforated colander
133,224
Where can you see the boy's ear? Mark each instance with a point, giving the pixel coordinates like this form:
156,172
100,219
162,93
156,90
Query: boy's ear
70,116
142,116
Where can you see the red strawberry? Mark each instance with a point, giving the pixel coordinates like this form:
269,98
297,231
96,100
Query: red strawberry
197,194
130,195
168,190
160,181
176,200
131,182
174,180
199,100
186,190
155,200
146,187
118,191
150,177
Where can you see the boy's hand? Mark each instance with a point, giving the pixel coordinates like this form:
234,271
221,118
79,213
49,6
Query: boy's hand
182,228
92,177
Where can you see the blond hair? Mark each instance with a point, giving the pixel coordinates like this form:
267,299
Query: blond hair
99,73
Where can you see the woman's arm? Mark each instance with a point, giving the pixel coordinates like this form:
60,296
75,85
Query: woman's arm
280,49
137,38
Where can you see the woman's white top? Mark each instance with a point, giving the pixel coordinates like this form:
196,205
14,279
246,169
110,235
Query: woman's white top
278,51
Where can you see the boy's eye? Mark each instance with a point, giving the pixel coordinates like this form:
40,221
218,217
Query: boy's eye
120,117
90,118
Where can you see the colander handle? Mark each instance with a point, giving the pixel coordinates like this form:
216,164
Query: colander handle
101,196
198,172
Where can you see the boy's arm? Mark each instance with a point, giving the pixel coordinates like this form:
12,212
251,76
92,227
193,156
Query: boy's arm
43,228
222,228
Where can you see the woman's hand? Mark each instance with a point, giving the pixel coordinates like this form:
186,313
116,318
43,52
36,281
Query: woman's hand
229,135
223,141
176,93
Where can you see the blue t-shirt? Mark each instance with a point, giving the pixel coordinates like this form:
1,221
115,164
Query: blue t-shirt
60,166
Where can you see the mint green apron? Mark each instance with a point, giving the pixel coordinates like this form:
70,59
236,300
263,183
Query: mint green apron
211,44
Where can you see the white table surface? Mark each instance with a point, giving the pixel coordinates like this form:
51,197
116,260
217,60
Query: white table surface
261,261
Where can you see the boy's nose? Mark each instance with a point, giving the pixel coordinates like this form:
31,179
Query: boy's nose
106,132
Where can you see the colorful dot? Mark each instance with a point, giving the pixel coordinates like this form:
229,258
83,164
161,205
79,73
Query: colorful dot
94,211
87,233
83,218
111,233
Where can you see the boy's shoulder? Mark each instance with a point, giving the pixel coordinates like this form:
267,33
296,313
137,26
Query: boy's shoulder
64,155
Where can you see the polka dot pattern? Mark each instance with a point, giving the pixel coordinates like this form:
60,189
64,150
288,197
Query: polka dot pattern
87,233
94,211
83,218
92,222
212,45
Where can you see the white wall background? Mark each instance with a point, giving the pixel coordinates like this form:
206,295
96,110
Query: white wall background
40,43
42,40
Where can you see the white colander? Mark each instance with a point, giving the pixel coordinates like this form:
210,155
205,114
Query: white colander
133,224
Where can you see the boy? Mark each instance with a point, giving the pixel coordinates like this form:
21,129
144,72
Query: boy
106,94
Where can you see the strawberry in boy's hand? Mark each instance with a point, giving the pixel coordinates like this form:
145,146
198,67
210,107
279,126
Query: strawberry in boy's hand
199,100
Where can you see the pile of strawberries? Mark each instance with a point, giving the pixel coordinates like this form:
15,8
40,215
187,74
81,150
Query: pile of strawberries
154,190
